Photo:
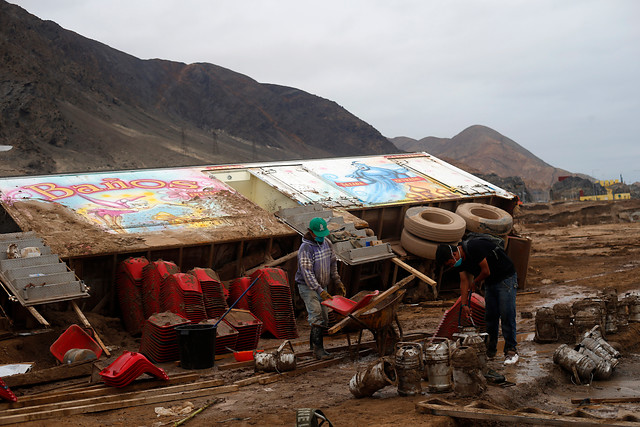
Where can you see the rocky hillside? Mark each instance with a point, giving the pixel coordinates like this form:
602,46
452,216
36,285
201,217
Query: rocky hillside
484,150
69,103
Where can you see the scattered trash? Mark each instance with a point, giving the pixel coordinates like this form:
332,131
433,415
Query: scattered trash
183,409
14,369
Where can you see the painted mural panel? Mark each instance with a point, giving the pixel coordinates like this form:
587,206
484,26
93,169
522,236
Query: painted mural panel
457,180
305,187
378,181
132,201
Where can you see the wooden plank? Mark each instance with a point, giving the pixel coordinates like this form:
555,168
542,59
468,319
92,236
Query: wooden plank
115,395
428,280
97,390
38,316
86,323
515,417
57,373
589,400
273,263
338,326
99,406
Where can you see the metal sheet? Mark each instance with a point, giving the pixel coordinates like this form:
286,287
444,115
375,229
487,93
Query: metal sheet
377,181
453,178
303,186
103,213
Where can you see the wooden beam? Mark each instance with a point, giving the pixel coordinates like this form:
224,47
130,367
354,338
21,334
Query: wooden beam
519,417
273,263
428,280
38,316
57,373
99,404
588,400
86,323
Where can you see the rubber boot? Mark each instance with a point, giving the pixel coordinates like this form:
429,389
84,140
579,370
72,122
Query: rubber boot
318,346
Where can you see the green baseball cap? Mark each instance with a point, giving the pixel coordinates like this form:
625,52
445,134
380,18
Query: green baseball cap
319,227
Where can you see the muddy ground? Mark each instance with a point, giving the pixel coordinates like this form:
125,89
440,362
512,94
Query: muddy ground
577,251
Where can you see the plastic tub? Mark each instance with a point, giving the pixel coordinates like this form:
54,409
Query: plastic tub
197,345
74,337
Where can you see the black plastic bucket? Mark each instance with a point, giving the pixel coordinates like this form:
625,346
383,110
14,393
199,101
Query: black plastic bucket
197,345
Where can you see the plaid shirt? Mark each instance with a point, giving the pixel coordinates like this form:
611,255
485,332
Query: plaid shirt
317,265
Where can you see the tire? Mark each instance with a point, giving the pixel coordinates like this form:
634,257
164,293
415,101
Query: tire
434,224
483,218
421,247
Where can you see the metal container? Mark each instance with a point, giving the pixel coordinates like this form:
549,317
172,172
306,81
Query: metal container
574,362
623,312
282,360
467,376
409,367
437,358
470,337
610,298
596,347
564,323
585,320
596,334
603,369
371,379
634,308
546,330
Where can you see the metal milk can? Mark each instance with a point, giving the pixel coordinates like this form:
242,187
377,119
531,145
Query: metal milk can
409,366
375,376
564,323
546,329
596,334
623,312
634,308
467,376
576,363
282,360
437,358
470,337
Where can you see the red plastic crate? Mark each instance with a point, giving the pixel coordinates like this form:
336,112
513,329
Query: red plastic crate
74,337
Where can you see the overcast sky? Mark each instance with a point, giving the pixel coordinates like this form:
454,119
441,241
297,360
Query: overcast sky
559,77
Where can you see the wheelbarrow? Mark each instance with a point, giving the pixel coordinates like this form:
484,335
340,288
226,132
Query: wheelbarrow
378,317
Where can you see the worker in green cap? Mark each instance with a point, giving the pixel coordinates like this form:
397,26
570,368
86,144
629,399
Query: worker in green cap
317,269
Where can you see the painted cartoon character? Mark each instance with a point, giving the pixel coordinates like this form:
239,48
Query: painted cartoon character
380,182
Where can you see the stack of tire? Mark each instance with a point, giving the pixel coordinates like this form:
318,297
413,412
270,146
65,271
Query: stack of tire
483,218
426,227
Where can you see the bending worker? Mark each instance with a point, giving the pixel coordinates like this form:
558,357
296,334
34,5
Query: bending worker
317,269
488,263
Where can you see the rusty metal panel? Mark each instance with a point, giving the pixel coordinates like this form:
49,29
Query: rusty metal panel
519,249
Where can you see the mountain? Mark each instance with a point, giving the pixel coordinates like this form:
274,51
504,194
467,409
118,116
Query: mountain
479,149
71,104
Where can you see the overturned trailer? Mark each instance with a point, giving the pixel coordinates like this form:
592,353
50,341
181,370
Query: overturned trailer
230,217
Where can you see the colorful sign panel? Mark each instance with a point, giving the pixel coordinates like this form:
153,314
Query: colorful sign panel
378,181
133,201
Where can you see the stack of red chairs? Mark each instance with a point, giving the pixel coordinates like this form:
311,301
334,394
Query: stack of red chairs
452,319
213,292
236,288
129,288
159,337
226,335
181,293
6,393
270,300
153,276
249,328
128,367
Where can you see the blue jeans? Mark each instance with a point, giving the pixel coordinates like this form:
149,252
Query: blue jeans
500,305
318,313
